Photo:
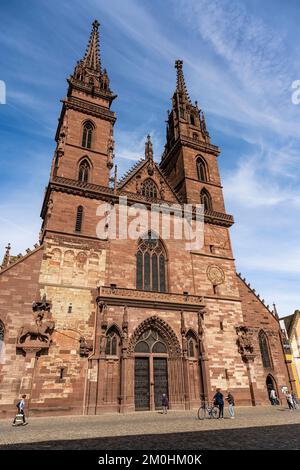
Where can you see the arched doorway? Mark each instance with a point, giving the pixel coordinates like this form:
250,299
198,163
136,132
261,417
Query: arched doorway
150,370
271,385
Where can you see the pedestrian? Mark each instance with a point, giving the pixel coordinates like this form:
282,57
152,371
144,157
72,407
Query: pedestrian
219,402
289,400
295,401
273,397
230,400
21,410
165,403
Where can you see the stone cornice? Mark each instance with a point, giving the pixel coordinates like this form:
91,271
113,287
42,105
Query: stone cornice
104,193
113,295
87,107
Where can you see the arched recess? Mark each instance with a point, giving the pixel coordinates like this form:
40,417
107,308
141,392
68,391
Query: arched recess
113,341
111,368
206,200
202,169
156,351
265,350
271,384
195,374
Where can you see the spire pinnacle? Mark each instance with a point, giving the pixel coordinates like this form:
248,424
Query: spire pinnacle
181,86
92,55
148,148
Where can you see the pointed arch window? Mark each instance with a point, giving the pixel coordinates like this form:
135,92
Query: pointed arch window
205,199
151,265
79,216
84,171
202,169
191,345
112,342
87,135
149,189
264,350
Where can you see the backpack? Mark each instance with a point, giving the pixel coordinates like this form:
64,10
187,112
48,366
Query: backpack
18,404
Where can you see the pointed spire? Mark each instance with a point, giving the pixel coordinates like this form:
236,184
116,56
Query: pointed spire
92,54
275,311
148,149
180,86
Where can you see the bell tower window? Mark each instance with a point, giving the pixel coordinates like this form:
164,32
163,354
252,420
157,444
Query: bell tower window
87,134
84,170
205,199
201,169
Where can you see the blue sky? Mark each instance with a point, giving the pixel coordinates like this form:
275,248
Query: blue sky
240,59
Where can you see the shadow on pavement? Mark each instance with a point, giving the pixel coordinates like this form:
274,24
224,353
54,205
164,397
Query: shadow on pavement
263,437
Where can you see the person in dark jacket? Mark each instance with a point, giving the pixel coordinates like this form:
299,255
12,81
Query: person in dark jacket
219,402
165,403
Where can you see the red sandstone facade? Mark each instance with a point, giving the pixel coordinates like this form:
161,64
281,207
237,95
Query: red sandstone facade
104,334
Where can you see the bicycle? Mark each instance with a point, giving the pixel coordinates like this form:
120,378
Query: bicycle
210,411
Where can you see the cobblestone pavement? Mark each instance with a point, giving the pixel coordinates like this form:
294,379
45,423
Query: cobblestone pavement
254,428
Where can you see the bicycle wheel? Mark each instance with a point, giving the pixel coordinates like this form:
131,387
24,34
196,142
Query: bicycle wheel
215,412
201,412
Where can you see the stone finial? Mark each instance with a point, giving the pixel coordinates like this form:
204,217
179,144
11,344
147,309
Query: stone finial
6,256
148,149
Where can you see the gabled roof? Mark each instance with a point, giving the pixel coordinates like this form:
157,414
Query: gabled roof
138,167
290,322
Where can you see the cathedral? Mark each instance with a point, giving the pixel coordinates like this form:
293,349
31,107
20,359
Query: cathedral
92,323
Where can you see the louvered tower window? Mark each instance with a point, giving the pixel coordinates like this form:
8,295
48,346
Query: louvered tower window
205,199
84,170
79,215
87,134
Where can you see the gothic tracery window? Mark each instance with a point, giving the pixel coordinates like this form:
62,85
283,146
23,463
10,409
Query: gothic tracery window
150,342
84,170
264,350
112,342
87,134
151,265
201,169
205,199
149,189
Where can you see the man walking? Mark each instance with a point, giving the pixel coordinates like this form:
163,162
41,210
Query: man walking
289,400
230,400
21,411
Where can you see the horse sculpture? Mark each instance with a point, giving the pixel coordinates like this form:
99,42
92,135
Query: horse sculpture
37,331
